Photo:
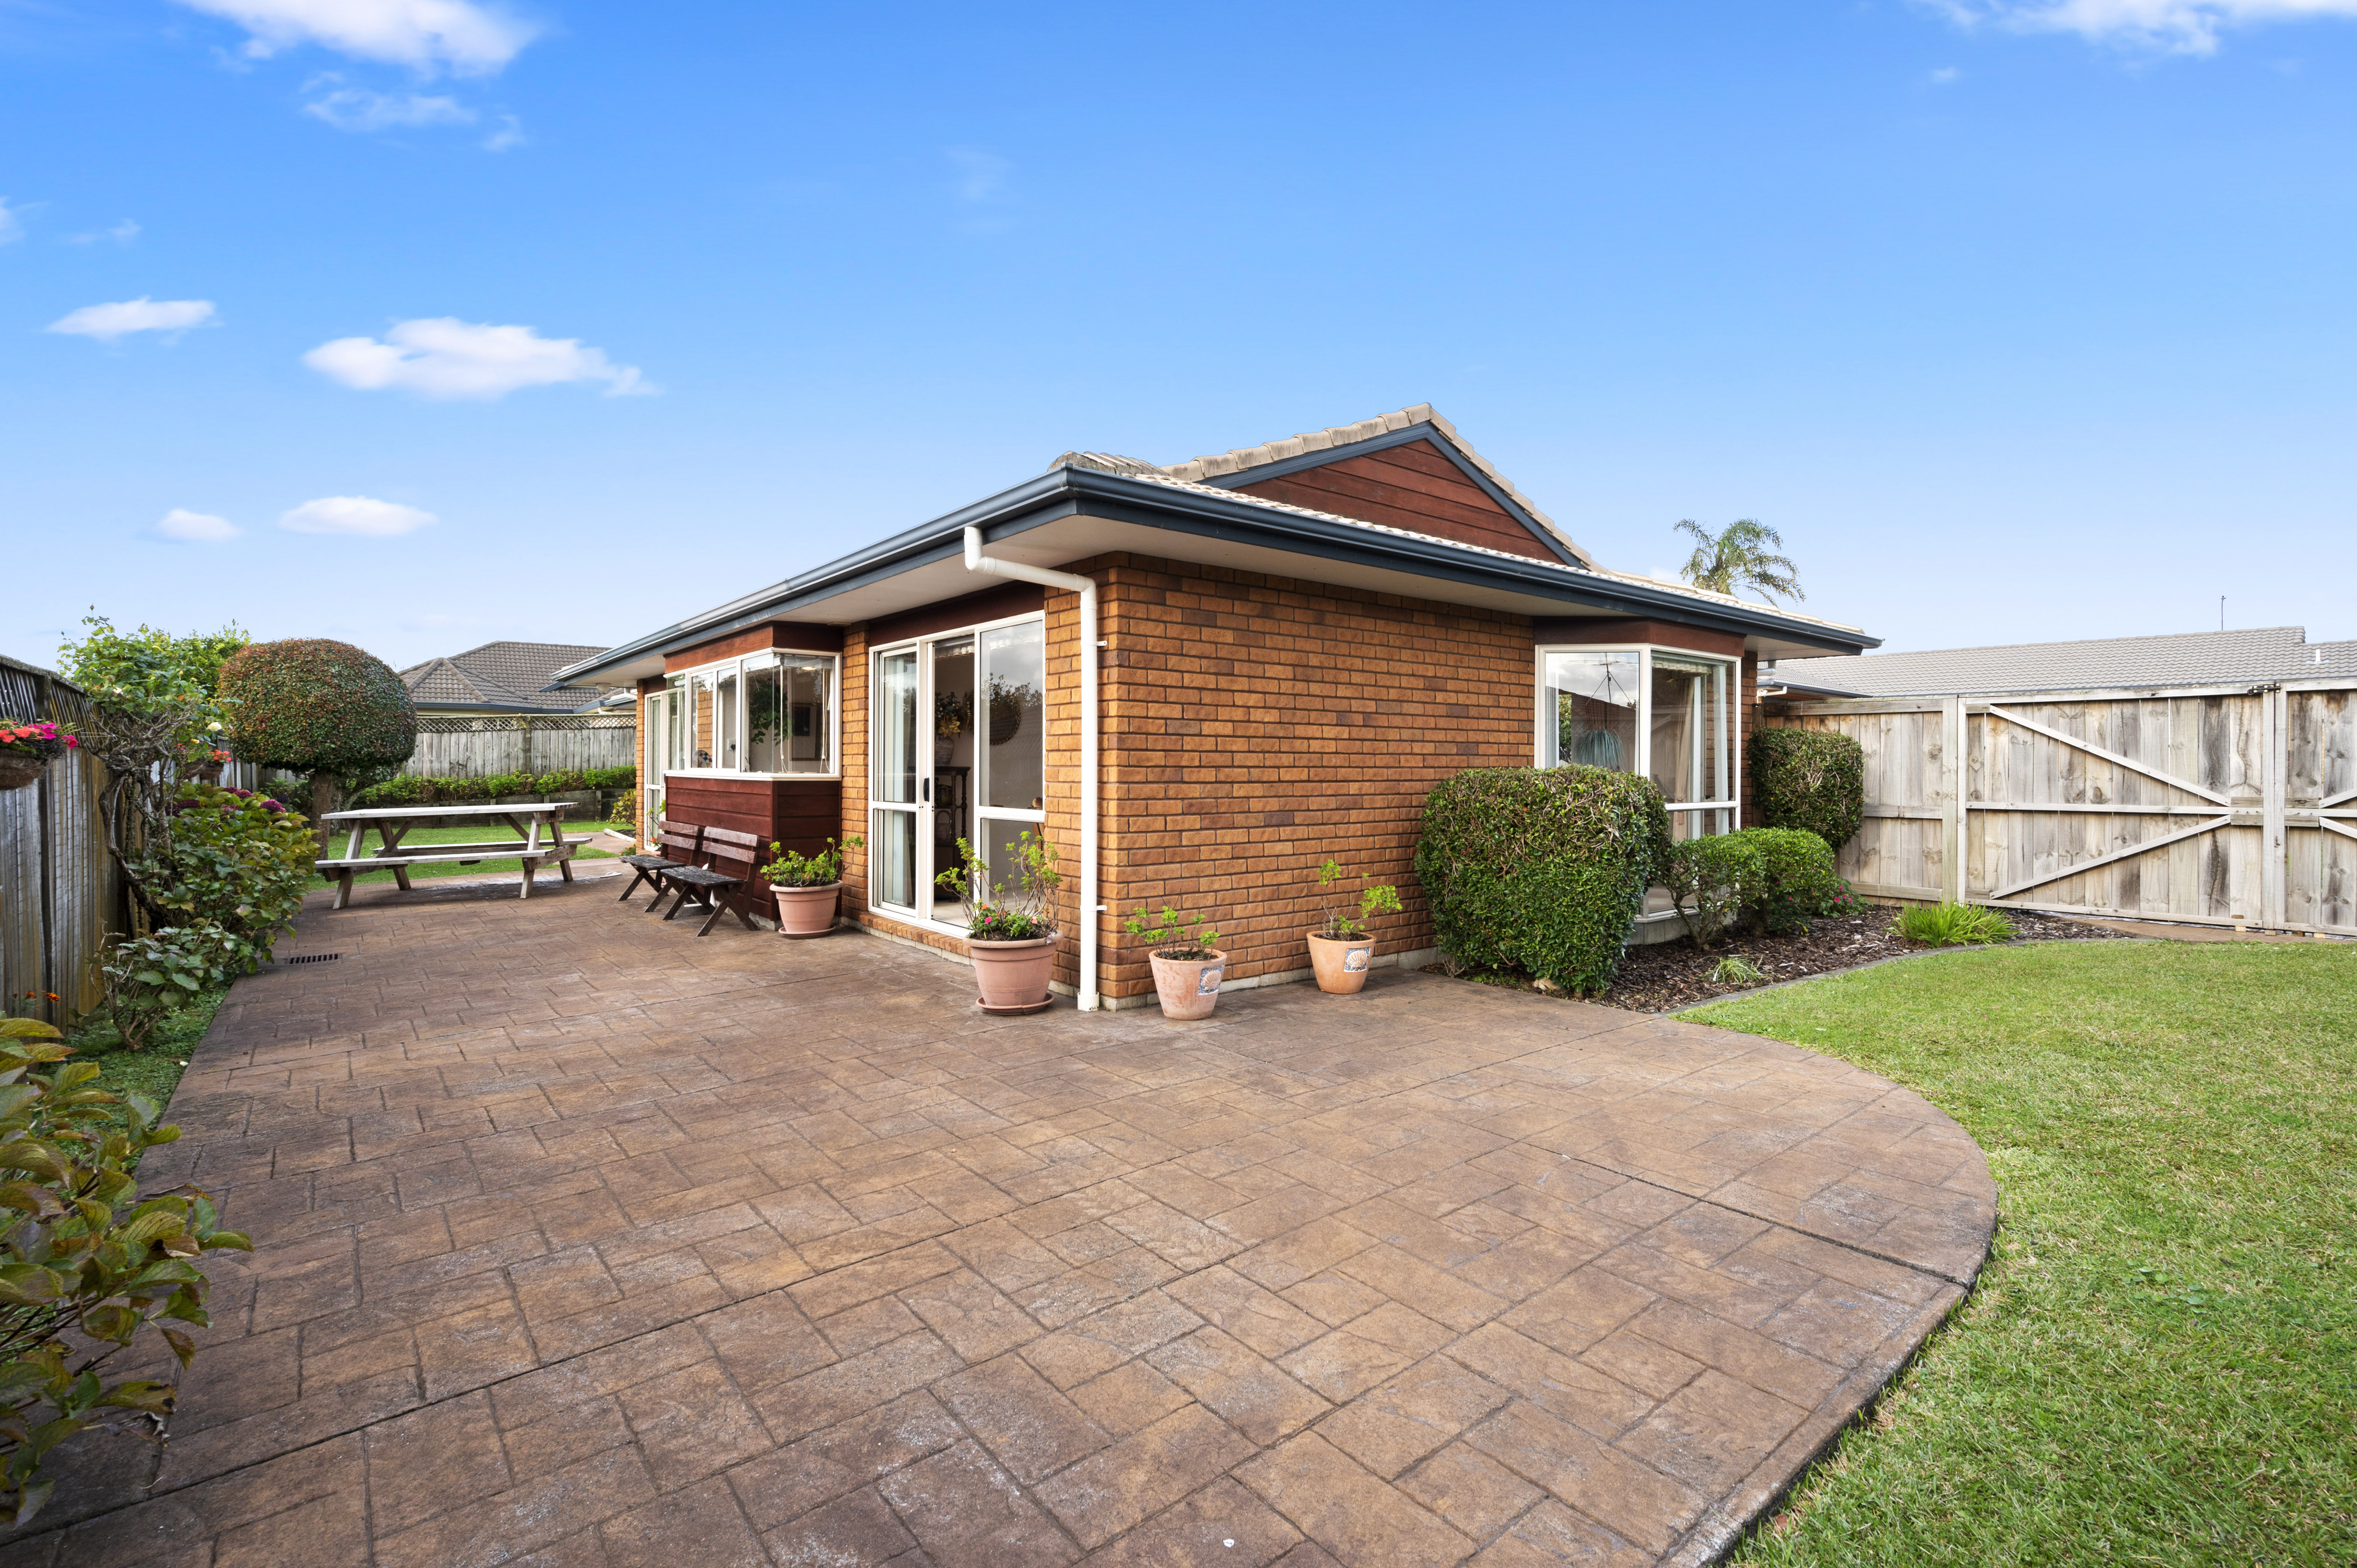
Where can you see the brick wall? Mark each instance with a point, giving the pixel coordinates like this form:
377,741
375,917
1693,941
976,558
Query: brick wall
1256,726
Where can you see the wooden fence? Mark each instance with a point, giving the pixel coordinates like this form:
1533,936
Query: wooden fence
2214,805
60,896
527,743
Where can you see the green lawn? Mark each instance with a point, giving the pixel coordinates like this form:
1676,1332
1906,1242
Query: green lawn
2159,1365
332,846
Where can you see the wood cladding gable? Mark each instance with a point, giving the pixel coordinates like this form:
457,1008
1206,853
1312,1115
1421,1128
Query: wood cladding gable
1415,487
792,636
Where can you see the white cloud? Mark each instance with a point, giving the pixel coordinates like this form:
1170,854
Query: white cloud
356,515
424,35
2175,26
122,233
444,357
12,227
358,109
109,322
195,527
1945,76
510,136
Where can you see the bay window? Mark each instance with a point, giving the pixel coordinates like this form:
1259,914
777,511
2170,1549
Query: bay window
768,714
1664,713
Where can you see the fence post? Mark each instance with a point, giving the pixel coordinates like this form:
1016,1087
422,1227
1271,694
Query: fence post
1951,798
525,723
2274,855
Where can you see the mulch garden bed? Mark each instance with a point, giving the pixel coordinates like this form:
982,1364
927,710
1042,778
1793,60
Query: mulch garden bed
1668,976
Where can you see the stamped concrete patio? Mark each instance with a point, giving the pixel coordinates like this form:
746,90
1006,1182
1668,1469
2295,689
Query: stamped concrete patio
584,1241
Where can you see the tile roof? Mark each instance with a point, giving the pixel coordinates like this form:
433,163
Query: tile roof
1221,464
503,675
2186,659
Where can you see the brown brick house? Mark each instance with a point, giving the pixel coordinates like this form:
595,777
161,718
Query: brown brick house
1292,643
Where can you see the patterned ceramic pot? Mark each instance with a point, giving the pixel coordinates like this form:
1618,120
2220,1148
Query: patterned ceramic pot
1342,965
1189,987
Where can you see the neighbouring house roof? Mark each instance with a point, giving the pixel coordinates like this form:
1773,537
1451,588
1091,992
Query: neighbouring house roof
2185,658
506,677
1094,503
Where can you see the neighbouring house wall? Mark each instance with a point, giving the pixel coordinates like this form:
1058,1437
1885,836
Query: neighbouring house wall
1413,487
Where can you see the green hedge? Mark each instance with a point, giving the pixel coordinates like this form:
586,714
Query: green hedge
1542,870
1811,779
1779,877
413,790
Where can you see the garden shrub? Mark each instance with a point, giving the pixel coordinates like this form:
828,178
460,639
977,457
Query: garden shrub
85,1265
1813,779
1797,879
145,978
1713,879
1541,869
237,860
1953,924
415,789
310,705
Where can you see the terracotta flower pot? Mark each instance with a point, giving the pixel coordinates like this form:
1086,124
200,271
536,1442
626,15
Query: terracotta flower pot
1013,976
1340,963
806,912
1188,987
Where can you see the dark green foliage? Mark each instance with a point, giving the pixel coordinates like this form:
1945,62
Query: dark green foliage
413,790
1953,924
1814,779
1714,879
310,705
84,1263
1779,877
235,859
1541,869
1797,879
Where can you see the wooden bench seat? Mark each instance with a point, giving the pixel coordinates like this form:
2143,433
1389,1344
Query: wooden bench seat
676,847
724,884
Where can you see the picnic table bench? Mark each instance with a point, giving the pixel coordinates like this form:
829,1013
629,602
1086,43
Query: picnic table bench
393,824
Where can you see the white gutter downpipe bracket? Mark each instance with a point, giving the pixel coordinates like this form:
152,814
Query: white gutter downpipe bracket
975,561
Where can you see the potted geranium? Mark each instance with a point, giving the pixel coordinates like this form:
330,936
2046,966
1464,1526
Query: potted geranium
807,887
1341,949
1187,960
27,748
1010,924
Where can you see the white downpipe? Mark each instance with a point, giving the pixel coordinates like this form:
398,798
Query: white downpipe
975,561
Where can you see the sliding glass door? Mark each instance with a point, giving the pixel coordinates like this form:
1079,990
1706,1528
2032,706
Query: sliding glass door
958,731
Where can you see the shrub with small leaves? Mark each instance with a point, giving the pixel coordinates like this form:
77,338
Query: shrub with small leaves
315,706
238,860
85,1265
1713,880
146,977
1813,779
1797,878
1541,869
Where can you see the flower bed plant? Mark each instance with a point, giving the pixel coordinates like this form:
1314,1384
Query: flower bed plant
36,738
1019,907
415,789
236,860
824,869
85,1265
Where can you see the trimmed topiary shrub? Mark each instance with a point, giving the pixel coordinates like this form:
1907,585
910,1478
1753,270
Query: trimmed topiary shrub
314,706
1797,879
1813,779
1542,870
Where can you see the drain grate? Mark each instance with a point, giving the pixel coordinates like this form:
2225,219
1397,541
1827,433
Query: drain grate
312,958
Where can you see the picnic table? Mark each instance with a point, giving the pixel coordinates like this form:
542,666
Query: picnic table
392,824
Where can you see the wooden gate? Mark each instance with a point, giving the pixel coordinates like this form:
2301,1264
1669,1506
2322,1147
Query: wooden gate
2217,805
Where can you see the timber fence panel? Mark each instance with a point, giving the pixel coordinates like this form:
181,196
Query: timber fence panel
2221,805
473,747
60,895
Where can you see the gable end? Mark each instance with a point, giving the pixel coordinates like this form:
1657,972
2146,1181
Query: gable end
1407,480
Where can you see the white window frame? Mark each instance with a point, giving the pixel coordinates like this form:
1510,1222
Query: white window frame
1732,664
921,647
739,667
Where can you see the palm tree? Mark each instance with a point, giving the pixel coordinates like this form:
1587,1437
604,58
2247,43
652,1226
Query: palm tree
1736,557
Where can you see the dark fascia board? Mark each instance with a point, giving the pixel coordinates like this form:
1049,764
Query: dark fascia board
1067,492
1407,435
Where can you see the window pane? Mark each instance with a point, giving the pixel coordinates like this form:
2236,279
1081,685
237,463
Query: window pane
675,725
1002,848
725,711
1589,710
1689,728
896,727
765,721
892,857
809,714
699,693
1015,663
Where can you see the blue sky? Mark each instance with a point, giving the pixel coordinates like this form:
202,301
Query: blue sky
2020,319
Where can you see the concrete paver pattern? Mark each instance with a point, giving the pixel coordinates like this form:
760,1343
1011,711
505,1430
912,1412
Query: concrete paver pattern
584,1241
